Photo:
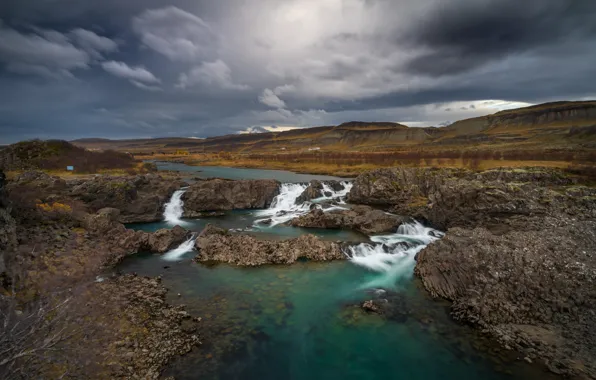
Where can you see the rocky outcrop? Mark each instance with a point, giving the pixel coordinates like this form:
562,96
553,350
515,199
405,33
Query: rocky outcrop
140,198
221,195
449,198
364,219
216,244
520,283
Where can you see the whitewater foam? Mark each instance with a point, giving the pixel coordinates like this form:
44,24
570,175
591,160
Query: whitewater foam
284,207
393,255
178,252
175,208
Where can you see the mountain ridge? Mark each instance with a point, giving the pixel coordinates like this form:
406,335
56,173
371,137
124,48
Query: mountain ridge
543,125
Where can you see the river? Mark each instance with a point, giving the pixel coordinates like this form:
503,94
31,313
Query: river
304,321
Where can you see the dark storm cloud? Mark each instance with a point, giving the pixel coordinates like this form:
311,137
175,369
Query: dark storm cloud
462,35
145,68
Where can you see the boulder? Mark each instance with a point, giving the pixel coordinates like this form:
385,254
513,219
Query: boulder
216,244
315,190
165,239
221,195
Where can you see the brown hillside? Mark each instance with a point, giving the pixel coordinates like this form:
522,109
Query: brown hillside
559,125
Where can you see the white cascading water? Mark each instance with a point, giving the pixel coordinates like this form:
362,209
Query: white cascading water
175,208
393,255
284,207
183,248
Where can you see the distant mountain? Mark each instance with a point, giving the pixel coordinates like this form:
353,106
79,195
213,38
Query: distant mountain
558,125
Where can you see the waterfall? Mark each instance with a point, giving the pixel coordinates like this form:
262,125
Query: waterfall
174,208
183,248
284,207
341,194
393,255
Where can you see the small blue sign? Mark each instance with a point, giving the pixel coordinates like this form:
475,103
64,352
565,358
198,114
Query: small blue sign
70,168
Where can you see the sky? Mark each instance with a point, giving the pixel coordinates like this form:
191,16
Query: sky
198,68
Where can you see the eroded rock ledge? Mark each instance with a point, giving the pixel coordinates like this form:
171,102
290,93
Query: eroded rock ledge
216,244
364,219
222,194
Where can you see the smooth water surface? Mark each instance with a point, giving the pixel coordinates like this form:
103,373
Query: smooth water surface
241,173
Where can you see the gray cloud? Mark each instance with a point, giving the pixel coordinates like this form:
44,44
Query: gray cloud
94,43
270,98
175,33
459,38
221,67
35,53
215,73
121,69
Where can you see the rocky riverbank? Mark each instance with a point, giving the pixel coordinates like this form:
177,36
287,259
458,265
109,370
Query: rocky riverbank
55,254
518,259
139,198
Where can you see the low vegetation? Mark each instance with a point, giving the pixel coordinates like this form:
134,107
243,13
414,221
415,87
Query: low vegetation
56,155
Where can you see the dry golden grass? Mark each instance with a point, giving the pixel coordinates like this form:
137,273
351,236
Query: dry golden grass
346,170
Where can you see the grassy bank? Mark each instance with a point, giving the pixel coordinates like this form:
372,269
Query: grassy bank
347,168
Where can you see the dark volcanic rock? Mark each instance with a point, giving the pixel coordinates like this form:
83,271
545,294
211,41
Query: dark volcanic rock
448,198
315,190
140,198
221,194
216,244
528,288
360,218
128,241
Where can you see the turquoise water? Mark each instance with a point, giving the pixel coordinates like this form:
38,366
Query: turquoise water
240,173
304,321
244,221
